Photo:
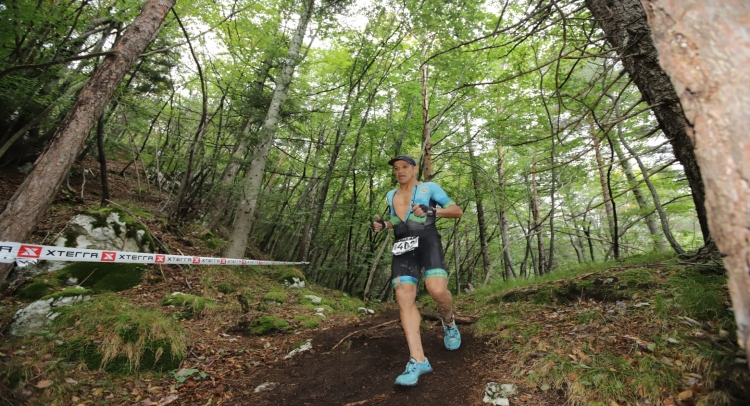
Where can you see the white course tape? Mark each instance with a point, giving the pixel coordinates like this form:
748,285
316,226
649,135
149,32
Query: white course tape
13,251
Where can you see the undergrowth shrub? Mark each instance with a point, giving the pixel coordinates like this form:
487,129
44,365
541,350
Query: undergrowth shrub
192,304
119,337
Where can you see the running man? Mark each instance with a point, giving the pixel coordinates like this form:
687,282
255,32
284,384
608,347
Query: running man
413,209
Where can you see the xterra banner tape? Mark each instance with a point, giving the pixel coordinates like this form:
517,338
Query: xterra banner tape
13,251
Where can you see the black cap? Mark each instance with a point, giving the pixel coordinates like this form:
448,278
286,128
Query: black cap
404,158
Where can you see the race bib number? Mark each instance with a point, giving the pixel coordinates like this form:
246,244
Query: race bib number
405,245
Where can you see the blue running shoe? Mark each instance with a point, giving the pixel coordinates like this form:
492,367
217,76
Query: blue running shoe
412,372
452,337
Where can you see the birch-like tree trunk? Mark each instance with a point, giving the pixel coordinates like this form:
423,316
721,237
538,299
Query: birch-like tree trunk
254,177
504,238
542,259
643,204
704,46
34,196
603,182
484,247
426,130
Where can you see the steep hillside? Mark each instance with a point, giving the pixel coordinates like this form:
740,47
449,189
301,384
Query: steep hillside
648,330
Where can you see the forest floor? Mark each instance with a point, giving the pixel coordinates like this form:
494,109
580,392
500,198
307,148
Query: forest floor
558,342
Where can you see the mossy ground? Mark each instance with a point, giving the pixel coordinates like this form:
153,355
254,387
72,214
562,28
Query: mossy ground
268,324
620,334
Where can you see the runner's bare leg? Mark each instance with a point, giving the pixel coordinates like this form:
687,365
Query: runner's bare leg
438,289
406,296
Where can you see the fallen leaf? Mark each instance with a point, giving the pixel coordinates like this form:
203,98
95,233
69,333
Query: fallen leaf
684,395
668,402
43,384
97,392
613,403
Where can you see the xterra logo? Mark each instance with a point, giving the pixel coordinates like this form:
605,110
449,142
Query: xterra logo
29,251
108,256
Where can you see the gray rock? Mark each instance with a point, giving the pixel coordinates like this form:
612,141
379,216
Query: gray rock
497,394
365,310
297,283
39,314
313,299
265,387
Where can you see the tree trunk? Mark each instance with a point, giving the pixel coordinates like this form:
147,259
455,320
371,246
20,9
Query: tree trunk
624,23
102,161
504,238
655,196
603,182
426,130
704,47
484,248
254,176
542,261
643,205
33,197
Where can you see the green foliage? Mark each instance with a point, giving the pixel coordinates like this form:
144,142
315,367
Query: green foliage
103,277
268,324
119,337
183,374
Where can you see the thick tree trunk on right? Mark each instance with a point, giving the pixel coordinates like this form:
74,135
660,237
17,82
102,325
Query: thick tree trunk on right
705,48
624,23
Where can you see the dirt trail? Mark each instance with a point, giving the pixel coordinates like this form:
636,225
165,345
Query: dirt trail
361,370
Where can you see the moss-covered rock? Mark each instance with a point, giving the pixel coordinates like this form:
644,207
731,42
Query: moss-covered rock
69,292
344,303
304,322
107,228
290,276
35,290
103,277
278,296
267,324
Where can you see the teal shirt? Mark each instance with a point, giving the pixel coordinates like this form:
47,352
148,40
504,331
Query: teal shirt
428,193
